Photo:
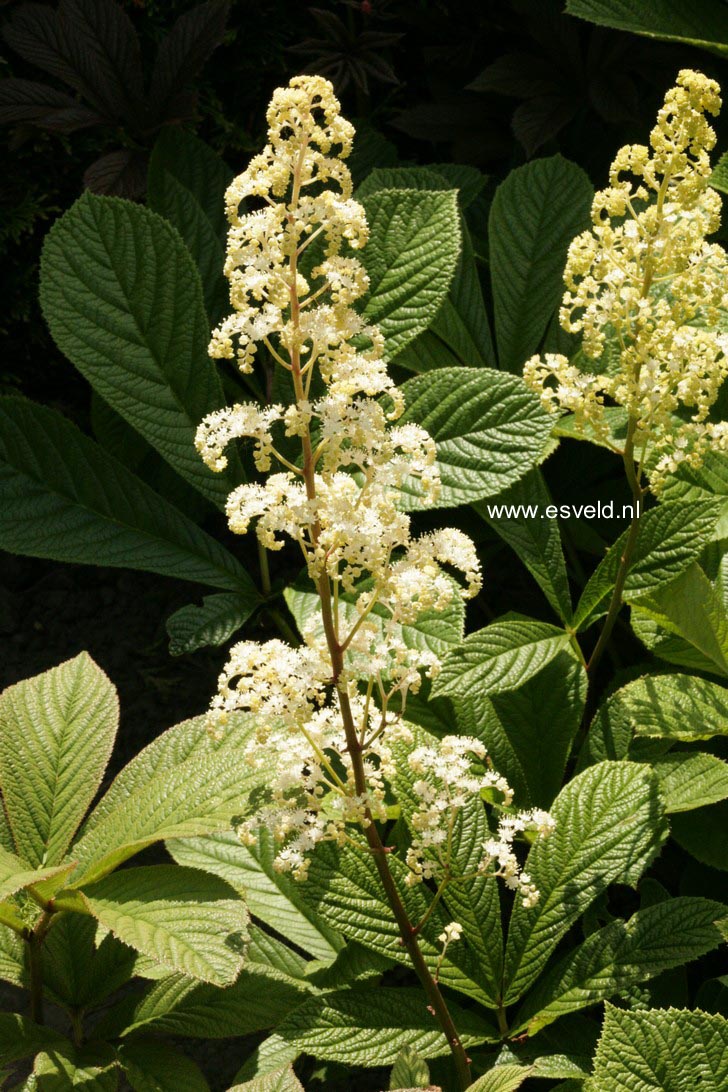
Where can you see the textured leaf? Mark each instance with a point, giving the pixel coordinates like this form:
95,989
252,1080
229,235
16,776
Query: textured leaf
21,1038
123,300
259,999
12,956
436,631
535,538
503,1078
103,48
674,707
57,731
369,1028
271,897
64,498
280,1080
80,969
702,834
187,920
535,214
691,609
700,23
688,780
184,50
670,538
16,875
707,482
186,184
152,1066
92,1067
609,826
529,731
410,1070
490,430
499,658
214,623
413,248
622,954
667,1049
401,178
154,799
344,887
39,104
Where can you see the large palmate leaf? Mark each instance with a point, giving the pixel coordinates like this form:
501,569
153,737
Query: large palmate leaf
535,214
609,825
56,735
153,1066
271,896
686,622
184,919
366,1027
490,430
701,23
186,184
499,658
672,1050
669,540
413,248
63,497
123,300
622,954
437,631
156,798
518,516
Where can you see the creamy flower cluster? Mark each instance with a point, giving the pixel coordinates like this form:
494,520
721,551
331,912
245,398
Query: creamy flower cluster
446,783
648,292
338,500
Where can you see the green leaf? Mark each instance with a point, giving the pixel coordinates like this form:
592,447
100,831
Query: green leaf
154,799
535,214
413,248
609,826
622,954
670,538
271,897
63,497
689,780
529,731
401,178
57,731
490,430
186,184
706,482
691,609
499,658
534,537
259,999
436,631
410,1070
153,1066
20,1038
344,887
503,1078
80,970
700,23
15,875
702,834
667,1049
214,623
123,300
280,1080
93,1067
12,955
362,1027
719,177
187,920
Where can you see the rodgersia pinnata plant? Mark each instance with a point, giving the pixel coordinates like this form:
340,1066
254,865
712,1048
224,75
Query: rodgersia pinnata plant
330,711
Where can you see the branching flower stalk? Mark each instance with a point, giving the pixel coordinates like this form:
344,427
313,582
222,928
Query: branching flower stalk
325,710
648,294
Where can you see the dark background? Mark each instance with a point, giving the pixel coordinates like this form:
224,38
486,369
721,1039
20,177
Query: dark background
490,83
